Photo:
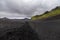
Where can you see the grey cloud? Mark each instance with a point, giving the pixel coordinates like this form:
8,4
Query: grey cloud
27,9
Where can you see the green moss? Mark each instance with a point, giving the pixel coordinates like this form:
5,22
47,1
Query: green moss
51,13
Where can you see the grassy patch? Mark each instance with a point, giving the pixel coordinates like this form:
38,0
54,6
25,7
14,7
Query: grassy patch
53,12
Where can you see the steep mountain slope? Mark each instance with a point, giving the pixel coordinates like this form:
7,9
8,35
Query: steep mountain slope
48,14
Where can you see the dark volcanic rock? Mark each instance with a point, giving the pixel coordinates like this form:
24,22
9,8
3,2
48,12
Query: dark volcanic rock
47,30
23,33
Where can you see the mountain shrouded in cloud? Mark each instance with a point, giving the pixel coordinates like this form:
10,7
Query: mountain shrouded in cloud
25,8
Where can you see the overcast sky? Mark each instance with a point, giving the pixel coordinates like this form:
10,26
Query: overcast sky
25,8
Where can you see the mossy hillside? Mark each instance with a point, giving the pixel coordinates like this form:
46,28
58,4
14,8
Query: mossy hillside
53,12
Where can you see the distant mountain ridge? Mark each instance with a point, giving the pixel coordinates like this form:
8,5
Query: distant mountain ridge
48,15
